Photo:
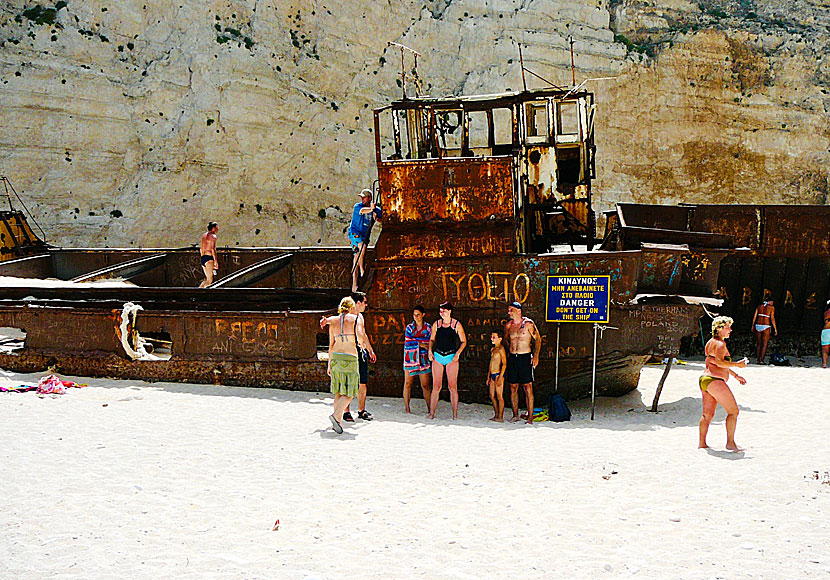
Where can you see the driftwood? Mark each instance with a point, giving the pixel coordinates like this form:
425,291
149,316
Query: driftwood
660,384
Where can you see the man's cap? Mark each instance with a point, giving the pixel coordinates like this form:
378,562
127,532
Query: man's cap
365,193
516,305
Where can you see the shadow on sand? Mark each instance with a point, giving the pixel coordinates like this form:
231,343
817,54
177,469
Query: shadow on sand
726,454
626,413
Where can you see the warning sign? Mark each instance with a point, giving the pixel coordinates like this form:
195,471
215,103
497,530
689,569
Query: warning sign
578,298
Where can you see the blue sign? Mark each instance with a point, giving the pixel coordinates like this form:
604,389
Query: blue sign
578,298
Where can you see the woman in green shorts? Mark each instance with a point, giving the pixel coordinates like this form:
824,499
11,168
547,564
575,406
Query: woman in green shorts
344,332
713,383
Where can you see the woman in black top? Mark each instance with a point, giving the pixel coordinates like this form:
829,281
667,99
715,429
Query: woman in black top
446,344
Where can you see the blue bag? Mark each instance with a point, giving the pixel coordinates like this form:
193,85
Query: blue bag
558,409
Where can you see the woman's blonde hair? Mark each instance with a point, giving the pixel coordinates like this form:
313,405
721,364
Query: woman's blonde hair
720,323
345,305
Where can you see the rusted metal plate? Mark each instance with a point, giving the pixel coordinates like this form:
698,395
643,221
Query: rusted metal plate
255,273
57,330
329,269
700,272
238,336
486,282
184,299
486,240
632,238
39,266
450,189
789,303
772,279
730,289
126,270
741,222
796,231
816,292
666,217
752,291
661,268
230,336
655,328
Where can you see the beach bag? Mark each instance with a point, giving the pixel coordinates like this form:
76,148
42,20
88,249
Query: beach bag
779,360
558,409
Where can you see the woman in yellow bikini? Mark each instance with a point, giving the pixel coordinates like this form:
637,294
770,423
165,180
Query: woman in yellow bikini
713,383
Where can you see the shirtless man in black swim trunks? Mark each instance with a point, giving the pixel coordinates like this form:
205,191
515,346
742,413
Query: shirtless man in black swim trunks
520,330
207,248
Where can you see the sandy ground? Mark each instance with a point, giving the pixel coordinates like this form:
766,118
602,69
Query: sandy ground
125,479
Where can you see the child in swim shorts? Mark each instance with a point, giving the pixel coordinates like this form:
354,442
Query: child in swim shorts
495,376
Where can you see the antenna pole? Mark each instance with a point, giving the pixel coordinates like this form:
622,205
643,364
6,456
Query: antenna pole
573,69
522,64
403,75
8,195
403,65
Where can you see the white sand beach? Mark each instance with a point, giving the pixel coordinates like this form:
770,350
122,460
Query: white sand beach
124,479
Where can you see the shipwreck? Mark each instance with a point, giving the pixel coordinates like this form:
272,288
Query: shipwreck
483,196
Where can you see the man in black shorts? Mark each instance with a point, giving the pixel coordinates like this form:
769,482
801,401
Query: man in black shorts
365,355
520,331
207,249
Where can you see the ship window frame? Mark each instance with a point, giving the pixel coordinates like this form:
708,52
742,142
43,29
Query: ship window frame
567,136
500,129
479,142
532,110
457,133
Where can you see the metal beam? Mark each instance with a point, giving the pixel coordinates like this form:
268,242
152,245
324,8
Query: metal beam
246,277
124,270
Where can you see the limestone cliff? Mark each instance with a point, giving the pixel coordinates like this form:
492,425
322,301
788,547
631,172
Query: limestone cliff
134,123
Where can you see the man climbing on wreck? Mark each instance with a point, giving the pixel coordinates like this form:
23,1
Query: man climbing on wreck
207,249
364,214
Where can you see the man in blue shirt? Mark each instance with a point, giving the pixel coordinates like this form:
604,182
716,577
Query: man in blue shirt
363,218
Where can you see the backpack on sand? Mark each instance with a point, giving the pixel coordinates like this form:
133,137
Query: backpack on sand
779,360
557,409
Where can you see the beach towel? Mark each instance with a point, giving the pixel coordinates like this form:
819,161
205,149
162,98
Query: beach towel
18,389
416,348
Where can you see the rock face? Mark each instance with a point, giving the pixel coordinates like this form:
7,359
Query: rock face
134,123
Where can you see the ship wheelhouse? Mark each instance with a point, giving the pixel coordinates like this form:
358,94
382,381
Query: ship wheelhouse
483,175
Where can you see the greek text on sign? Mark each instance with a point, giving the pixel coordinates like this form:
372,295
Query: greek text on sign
577,298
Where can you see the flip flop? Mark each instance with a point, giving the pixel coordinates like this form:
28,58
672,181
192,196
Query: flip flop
364,415
335,425
347,416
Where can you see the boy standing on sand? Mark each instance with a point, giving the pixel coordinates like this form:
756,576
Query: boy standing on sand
495,376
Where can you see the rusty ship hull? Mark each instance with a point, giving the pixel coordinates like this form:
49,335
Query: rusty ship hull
266,333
